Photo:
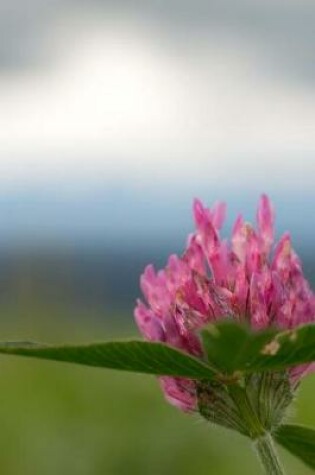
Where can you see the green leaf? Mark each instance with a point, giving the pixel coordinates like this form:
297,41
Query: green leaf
137,356
298,440
233,347
230,348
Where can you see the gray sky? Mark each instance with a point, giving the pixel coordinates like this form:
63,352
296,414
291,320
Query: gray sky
282,32
157,93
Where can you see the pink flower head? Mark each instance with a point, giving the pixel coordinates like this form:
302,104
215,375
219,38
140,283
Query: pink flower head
244,279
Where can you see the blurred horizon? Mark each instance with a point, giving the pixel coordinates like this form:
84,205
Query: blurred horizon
79,254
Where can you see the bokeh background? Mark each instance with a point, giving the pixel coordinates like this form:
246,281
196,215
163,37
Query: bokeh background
114,115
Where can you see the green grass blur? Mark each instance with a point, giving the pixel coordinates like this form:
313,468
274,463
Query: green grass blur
65,419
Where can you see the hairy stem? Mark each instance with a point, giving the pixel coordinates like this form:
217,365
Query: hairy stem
268,456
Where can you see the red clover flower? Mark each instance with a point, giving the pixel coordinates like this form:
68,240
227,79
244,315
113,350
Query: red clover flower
247,279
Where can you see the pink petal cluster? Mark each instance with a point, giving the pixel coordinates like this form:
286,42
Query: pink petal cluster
246,279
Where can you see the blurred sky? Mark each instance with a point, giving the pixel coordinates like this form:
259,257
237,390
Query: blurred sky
115,114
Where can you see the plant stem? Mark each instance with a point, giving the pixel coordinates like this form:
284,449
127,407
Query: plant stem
268,456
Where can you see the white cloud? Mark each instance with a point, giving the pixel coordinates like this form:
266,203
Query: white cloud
120,106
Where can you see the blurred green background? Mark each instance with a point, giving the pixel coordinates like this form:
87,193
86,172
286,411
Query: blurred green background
60,418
